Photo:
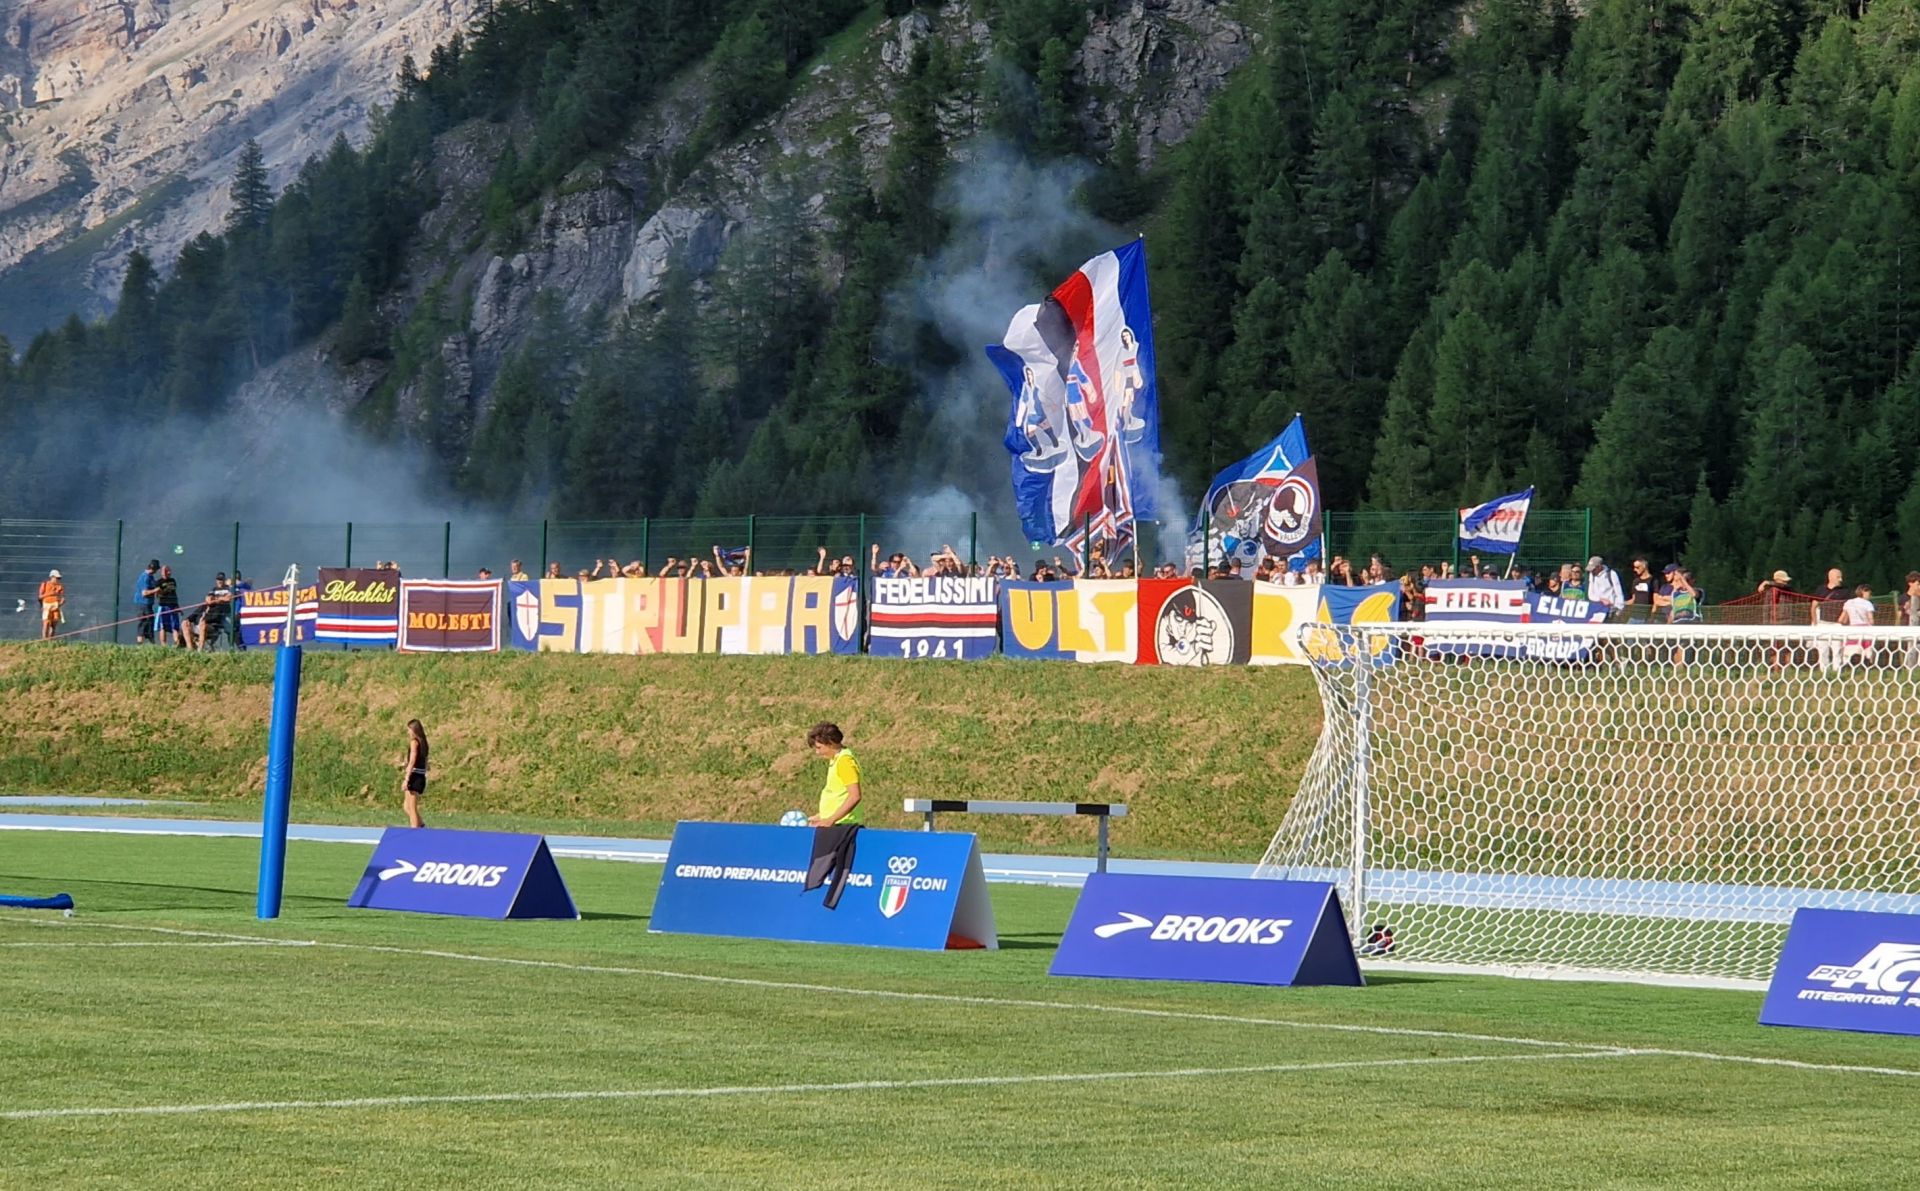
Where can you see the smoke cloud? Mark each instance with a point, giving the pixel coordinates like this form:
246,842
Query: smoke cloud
1017,229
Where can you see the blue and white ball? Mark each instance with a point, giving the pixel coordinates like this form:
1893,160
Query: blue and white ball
794,819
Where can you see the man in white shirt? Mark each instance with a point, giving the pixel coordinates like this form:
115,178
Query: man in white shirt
1603,585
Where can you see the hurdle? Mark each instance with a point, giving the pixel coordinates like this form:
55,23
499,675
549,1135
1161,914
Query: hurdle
1104,811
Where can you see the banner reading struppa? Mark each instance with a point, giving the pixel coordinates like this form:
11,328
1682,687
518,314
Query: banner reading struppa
1085,419
450,616
358,604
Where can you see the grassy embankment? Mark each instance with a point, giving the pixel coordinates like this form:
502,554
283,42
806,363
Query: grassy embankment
1207,759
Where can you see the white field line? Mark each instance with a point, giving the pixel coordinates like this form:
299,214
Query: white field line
1609,1049
165,943
796,1089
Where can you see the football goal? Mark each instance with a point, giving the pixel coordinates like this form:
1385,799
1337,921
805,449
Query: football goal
1629,801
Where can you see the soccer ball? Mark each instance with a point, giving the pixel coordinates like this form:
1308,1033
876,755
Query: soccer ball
794,819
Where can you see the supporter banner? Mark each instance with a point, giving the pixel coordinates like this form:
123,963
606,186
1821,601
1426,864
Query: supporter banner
450,616
1847,970
773,614
1478,600
1234,930
1507,601
1204,625
473,874
358,604
1279,613
1152,596
1088,620
934,618
913,889
263,616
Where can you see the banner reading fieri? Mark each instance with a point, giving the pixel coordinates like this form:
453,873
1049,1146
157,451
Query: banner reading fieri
450,616
358,604
1085,420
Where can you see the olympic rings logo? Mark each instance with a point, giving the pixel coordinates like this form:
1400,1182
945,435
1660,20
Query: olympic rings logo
902,865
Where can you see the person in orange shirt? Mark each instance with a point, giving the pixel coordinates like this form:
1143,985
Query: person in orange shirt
53,595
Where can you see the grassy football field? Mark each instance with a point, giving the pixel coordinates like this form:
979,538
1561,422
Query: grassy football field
164,1037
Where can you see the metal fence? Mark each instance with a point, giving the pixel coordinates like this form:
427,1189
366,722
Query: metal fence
100,561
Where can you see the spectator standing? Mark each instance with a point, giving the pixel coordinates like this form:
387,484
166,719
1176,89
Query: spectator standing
1603,586
166,616
1829,601
1573,584
53,598
1642,586
1857,613
554,571
241,586
1910,607
144,588
517,572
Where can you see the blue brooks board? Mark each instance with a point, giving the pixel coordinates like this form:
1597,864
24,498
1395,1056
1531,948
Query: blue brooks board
472,874
1847,970
913,889
1229,930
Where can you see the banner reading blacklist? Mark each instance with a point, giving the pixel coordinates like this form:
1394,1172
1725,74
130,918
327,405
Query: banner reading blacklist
911,889
472,874
1231,930
358,604
1847,970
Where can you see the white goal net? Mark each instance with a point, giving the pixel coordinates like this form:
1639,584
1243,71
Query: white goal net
1646,801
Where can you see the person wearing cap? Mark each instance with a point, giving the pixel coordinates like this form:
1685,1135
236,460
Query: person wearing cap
53,597
143,589
166,615
1603,586
1828,601
210,618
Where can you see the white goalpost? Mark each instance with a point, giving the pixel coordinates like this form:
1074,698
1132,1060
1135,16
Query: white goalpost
1645,802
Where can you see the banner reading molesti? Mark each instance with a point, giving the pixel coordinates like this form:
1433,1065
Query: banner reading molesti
450,616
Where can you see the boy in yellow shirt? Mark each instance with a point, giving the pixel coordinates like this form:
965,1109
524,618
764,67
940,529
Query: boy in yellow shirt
840,796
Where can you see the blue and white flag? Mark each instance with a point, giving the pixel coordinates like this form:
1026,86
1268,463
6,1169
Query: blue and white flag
1494,527
1265,506
1086,414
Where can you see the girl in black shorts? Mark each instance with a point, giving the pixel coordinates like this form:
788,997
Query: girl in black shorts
414,774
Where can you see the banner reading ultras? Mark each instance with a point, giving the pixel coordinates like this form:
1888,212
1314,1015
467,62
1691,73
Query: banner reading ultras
263,616
1175,623
957,618
450,616
759,615
358,604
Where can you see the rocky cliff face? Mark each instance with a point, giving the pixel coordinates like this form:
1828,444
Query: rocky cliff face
605,245
120,119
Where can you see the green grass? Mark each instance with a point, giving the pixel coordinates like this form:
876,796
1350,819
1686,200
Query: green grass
364,1012
627,745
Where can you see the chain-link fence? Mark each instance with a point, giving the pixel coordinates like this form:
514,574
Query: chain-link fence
1407,540
102,563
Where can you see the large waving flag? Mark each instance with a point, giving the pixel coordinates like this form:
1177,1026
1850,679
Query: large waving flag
1265,506
1494,527
1086,413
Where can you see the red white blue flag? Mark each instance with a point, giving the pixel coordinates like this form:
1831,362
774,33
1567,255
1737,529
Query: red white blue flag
1085,419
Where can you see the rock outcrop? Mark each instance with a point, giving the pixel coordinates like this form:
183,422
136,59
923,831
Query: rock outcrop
125,117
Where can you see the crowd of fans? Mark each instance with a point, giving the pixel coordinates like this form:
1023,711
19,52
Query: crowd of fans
1671,595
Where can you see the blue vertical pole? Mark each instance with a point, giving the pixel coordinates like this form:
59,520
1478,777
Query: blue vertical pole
286,707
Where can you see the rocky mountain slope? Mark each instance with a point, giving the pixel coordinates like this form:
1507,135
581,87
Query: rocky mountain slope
120,121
